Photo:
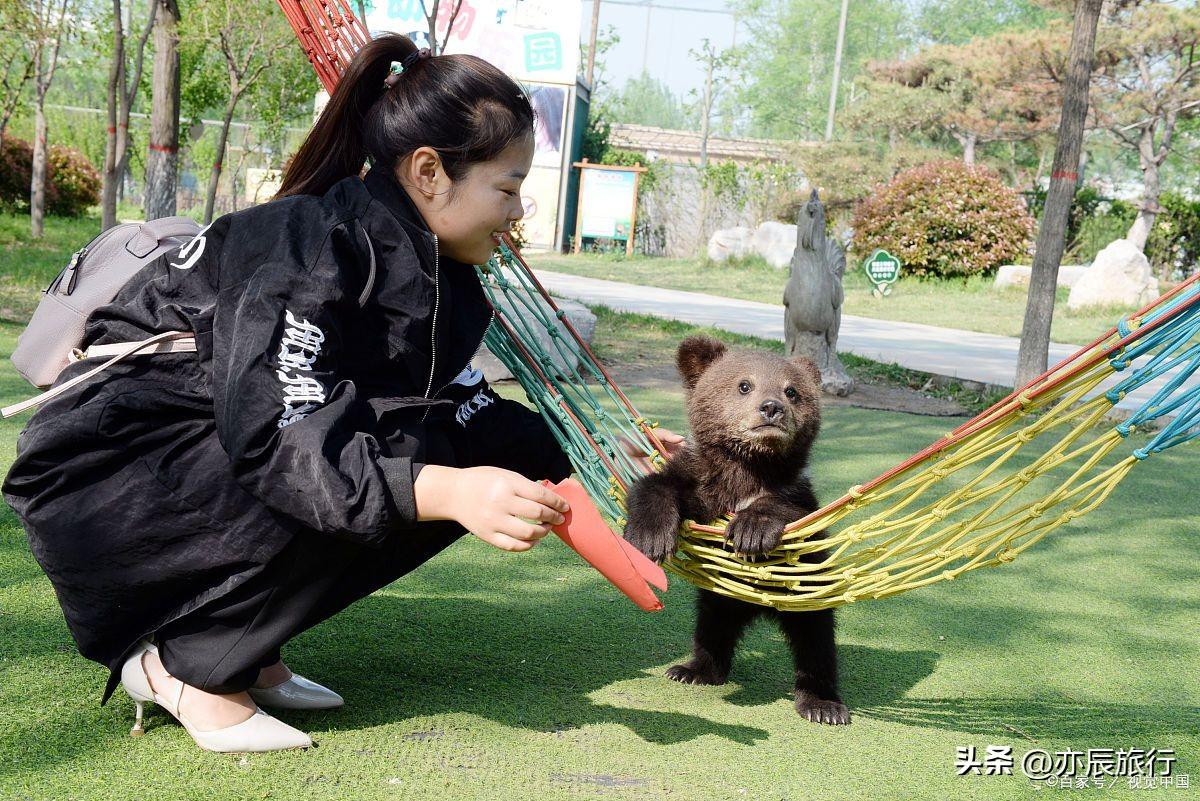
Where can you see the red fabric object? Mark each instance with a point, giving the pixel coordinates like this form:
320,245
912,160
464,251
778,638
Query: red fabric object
625,566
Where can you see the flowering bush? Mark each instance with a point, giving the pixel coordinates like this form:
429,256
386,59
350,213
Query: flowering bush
945,219
72,183
16,160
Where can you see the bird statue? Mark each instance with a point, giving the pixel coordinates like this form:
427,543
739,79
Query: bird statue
812,299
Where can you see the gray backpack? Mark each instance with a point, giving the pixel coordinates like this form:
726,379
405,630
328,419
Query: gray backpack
92,279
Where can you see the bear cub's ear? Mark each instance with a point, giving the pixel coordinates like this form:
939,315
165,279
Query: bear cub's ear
807,367
695,354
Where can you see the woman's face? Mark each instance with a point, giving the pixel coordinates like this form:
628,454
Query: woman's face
468,215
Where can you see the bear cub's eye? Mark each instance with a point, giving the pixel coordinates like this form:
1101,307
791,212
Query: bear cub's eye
744,387
790,392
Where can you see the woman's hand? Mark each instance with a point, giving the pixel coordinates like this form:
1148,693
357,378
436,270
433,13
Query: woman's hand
494,504
672,444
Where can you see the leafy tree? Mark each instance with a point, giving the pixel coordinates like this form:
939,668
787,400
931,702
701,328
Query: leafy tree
645,100
49,18
960,21
786,80
1147,83
597,132
988,90
16,25
716,65
243,41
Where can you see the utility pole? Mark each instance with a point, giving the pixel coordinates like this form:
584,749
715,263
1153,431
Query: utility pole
837,71
707,107
646,45
591,67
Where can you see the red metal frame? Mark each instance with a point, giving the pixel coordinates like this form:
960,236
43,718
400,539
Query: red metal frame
329,33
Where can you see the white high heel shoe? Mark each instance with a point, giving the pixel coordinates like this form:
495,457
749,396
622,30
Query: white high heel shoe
260,732
296,693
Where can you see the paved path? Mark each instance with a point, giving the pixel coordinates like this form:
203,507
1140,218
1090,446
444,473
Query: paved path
986,358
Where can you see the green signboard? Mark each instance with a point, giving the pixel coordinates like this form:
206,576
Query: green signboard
882,269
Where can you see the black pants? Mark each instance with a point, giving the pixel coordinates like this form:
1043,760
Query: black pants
221,646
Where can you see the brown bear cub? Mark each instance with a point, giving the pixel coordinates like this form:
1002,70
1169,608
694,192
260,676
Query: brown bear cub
754,417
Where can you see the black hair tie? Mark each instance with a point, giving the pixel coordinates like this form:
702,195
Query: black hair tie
398,67
415,56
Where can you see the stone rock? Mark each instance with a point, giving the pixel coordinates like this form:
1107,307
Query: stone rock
580,317
1120,275
1017,275
775,242
730,243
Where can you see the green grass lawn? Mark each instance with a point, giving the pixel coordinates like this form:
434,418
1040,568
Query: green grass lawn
487,675
971,305
28,265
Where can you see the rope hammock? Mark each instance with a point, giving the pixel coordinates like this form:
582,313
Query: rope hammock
975,498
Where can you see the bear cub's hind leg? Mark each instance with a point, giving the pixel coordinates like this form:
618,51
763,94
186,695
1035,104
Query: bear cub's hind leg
720,623
814,654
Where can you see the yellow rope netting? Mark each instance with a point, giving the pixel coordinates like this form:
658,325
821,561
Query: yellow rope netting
978,498
959,510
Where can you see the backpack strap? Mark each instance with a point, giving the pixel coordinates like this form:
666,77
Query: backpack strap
129,348
166,342
185,344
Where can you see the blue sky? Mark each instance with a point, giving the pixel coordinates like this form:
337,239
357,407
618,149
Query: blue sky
673,32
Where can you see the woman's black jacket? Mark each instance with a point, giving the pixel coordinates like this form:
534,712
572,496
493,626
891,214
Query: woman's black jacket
312,402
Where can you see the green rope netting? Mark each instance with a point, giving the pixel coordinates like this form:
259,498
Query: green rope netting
970,500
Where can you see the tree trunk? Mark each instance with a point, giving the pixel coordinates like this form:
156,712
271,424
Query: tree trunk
116,88
162,158
968,143
432,18
1139,232
37,184
215,176
122,91
1039,308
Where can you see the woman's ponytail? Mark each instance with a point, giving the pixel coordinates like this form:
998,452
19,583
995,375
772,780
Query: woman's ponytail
334,149
463,107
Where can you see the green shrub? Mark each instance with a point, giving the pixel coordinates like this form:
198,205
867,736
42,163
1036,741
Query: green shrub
1173,246
72,183
1093,222
1097,233
945,219
75,181
16,161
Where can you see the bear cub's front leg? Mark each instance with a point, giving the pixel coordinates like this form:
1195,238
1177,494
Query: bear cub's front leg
653,516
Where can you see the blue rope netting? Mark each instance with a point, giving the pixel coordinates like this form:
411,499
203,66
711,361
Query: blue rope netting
1173,346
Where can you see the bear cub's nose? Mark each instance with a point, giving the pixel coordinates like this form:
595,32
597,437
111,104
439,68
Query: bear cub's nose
771,411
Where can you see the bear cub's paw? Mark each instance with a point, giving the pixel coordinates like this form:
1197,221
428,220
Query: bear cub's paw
818,710
655,531
690,673
754,532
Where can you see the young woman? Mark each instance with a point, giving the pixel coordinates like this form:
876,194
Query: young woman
195,511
